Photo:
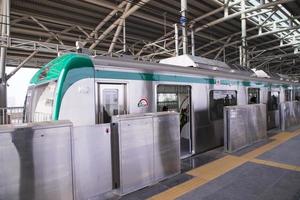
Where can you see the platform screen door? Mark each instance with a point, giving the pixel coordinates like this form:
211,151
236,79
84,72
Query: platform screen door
111,101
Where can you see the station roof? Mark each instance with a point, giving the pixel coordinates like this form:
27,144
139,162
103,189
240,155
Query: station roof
273,30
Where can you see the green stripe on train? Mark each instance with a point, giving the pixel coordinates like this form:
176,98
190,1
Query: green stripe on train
175,78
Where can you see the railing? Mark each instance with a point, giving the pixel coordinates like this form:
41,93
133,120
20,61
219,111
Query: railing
11,115
15,115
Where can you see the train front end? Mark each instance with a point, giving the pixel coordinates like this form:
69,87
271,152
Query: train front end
47,87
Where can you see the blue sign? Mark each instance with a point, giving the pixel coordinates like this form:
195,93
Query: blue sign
183,20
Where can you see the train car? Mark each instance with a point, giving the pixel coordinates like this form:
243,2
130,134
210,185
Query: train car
89,90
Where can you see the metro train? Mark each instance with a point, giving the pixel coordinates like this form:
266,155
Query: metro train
89,90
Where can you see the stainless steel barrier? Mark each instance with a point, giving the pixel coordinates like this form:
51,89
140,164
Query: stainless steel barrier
36,161
146,149
244,125
289,114
11,115
92,164
166,145
54,160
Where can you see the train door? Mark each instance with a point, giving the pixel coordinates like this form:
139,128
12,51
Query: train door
273,109
111,101
178,98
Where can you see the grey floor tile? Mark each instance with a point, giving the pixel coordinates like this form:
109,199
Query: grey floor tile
287,152
287,187
250,181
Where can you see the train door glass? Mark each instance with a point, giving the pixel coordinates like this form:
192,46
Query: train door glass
111,101
273,101
288,95
253,95
219,99
178,98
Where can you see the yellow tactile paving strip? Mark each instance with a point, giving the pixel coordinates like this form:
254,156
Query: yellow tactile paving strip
210,171
202,175
276,164
277,140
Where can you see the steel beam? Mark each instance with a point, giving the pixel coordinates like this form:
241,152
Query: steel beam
46,29
237,14
32,55
278,56
114,24
36,62
223,48
106,19
267,5
119,28
252,37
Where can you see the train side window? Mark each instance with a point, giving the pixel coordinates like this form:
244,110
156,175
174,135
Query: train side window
273,100
219,99
288,95
253,95
111,101
297,95
110,104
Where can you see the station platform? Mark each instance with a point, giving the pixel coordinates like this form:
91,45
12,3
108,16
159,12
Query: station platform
267,170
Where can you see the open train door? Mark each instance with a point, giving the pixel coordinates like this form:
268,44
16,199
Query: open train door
273,110
178,98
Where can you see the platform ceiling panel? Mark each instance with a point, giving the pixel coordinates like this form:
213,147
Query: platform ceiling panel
151,29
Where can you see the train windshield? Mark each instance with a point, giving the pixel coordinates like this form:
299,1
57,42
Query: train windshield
39,102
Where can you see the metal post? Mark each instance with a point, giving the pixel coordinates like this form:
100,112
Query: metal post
124,36
241,57
183,23
5,11
176,40
193,42
3,33
244,34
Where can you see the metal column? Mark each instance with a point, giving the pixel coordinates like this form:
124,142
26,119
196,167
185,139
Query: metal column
193,42
176,40
5,29
124,36
183,21
244,35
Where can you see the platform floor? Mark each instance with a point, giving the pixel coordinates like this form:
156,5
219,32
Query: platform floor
269,170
